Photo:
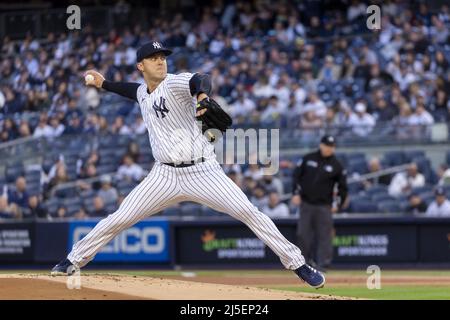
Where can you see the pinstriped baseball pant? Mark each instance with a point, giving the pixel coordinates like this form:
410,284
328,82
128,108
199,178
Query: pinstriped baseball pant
165,186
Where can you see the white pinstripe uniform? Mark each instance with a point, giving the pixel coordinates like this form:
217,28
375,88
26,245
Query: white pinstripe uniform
169,115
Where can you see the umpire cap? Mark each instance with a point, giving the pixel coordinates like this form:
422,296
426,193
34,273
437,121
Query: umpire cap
328,140
150,48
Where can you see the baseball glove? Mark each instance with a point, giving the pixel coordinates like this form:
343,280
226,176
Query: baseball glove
214,117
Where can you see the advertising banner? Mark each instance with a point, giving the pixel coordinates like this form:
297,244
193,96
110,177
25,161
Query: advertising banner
147,241
375,243
16,241
434,243
222,244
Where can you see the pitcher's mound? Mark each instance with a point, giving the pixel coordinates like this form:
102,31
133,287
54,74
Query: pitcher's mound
100,286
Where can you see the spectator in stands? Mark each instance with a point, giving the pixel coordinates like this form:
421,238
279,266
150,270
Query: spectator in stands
330,71
421,117
360,121
81,214
316,105
248,184
24,130
243,106
404,182
60,176
416,204
43,129
61,212
275,208
444,175
374,166
119,127
8,210
273,111
129,170
383,112
56,127
98,209
20,195
272,183
74,125
139,126
9,126
107,192
134,151
35,209
440,207
259,197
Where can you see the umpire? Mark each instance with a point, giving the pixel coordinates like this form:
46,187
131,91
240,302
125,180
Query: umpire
313,188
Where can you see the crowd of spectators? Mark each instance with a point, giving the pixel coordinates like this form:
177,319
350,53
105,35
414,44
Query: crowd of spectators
305,65
268,60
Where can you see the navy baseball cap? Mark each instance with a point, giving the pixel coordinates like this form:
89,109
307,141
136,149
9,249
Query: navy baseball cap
328,140
150,48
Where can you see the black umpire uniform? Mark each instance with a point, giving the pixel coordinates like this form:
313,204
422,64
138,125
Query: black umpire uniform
315,179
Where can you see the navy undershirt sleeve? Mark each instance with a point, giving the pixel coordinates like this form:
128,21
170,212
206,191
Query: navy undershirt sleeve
125,89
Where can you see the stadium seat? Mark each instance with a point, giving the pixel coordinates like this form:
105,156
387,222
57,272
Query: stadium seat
363,207
411,155
12,172
377,189
389,206
191,209
208,212
357,165
381,197
171,212
426,188
394,158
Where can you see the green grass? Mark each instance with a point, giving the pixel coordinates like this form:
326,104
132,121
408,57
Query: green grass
385,293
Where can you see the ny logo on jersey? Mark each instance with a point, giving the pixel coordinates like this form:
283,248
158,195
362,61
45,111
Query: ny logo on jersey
156,45
161,107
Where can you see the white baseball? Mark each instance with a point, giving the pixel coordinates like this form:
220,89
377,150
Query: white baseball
89,78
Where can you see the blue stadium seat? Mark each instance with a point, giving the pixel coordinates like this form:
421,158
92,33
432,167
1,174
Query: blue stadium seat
73,209
66,192
208,212
363,207
389,206
111,208
394,158
424,189
191,209
382,197
357,165
171,212
377,189
12,172
355,188
52,205
410,155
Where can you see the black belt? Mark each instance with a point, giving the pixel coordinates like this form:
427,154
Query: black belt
185,164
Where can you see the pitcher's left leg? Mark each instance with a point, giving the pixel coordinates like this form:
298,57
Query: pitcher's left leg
208,184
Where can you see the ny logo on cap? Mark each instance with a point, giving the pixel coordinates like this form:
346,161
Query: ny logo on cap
156,45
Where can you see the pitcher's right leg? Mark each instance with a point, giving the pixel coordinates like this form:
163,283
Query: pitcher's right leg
156,192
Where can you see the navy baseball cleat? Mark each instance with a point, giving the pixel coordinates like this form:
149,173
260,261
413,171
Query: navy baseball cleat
311,276
64,268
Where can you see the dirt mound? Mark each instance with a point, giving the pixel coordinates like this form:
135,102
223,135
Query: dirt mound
26,286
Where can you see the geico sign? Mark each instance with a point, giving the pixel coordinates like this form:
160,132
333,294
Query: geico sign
133,240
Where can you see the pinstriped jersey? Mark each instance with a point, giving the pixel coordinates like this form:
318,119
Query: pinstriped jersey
169,116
